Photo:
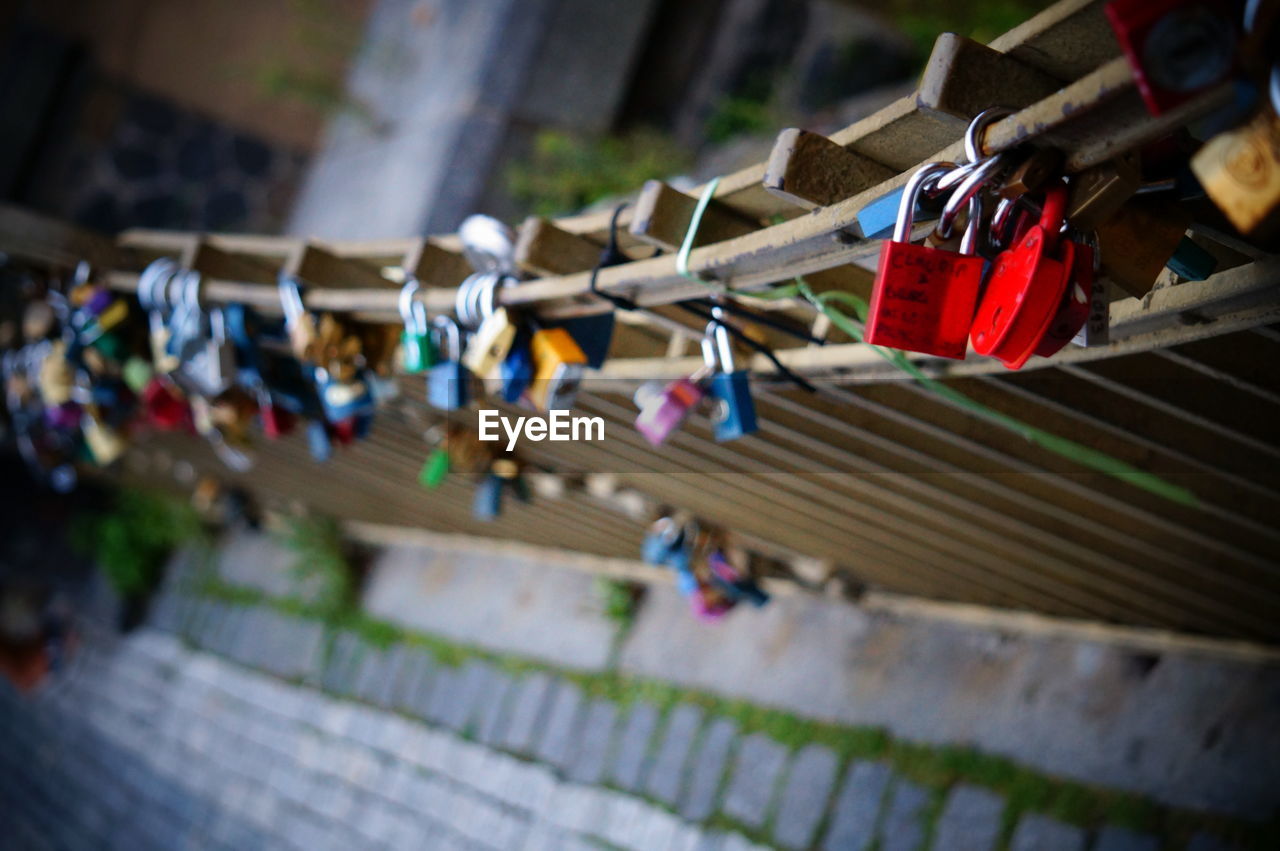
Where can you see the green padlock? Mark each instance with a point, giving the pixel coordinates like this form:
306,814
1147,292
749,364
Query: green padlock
137,374
417,351
436,468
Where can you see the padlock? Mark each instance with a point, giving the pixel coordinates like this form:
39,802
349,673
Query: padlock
1176,48
879,217
1025,288
417,353
1096,193
667,543
299,324
164,409
735,411
1240,171
1191,262
1035,170
55,376
733,582
924,297
276,420
664,410
515,374
1076,304
559,365
593,334
104,443
1138,241
490,344
1096,330
66,415
435,469
318,442
211,369
151,286
343,400
487,503
448,381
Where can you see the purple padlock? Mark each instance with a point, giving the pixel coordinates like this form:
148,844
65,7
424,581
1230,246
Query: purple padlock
99,301
661,413
64,416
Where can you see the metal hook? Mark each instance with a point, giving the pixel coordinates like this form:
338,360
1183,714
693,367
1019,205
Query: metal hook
412,311
290,299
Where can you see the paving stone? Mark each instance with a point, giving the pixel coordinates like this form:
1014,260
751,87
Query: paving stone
970,820
560,729
492,712
756,769
1112,838
633,745
595,742
1041,833
369,673
338,666
443,688
666,775
903,827
701,796
417,666
421,701
472,683
384,690
853,817
526,711
804,796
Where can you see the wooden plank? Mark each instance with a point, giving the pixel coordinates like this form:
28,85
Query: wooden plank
318,266
434,265
962,78
35,237
544,249
809,170
662,217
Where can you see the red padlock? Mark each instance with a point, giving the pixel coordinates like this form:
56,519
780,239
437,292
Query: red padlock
276,421
1075,307
164,408
343,431
1176,48
924,297
1025,288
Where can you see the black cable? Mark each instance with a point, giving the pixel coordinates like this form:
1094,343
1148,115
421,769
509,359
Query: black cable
759,347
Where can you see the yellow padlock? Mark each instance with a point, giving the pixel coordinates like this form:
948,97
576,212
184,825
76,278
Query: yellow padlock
113,315
55,376
104,442
490,344
1240,171
559,364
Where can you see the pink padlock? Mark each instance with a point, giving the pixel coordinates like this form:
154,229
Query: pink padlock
661,413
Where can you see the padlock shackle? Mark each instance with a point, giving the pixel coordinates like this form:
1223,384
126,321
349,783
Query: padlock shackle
965,192
978,128
290,299
157,272
412,312
450,336
970,243
906,208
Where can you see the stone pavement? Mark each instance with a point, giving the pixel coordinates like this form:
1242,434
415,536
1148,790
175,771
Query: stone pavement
1189,729
273,736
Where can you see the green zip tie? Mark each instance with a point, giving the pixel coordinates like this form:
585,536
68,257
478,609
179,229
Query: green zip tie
682,258
1069,449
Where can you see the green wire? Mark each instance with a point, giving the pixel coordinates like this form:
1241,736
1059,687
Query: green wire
828,303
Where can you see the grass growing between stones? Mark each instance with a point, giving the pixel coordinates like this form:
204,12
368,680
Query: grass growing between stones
936,767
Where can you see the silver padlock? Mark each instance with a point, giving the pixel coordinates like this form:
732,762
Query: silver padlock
211,369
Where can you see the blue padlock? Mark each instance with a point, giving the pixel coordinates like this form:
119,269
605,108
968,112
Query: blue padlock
487,504
1191,262
343,399
448,381
877,219
730,389
318,441
516,370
